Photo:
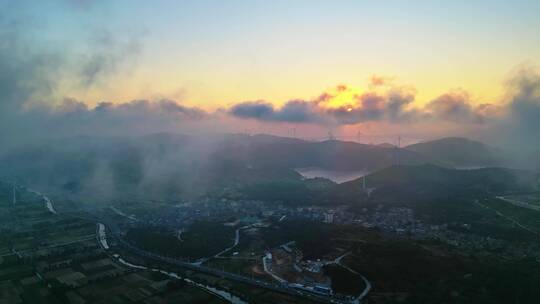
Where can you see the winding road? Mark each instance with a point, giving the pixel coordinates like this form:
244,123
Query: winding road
519,203
48,202
507,218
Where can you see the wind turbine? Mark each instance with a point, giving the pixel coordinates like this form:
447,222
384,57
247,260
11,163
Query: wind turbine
398,146
14,194
330,135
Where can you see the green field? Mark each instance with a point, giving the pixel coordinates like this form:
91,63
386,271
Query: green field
64,251
201,239
344,281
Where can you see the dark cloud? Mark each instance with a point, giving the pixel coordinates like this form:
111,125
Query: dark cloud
341,88
253,109
376,80
525,99
324,97
32,69
72,117
30,77
519,128
298,111
108,55
455,107
26,71
396,107
370,106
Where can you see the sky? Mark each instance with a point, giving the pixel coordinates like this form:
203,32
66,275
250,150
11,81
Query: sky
346,66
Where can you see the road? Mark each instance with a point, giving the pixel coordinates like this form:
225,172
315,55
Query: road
218,255
83,239
507,218
519,203
102,240
119,212
363,294
366,290
48,202
285,289
236,241
266,269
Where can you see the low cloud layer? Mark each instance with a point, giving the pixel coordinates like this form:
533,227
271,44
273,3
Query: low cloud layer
393,105
519,127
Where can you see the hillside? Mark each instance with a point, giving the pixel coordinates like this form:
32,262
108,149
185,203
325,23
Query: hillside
458,152
431,181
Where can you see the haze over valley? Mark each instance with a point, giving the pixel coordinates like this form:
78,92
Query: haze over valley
252,152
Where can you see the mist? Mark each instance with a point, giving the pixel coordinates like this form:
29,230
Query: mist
162,146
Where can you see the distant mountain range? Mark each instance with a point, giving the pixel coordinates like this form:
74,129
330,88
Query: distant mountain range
270,152
181,164
266,150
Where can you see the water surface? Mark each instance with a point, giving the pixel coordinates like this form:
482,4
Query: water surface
333,175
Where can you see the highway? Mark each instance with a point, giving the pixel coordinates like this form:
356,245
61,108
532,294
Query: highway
285,289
